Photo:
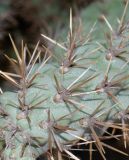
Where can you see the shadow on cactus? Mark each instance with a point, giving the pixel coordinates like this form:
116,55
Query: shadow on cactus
55,106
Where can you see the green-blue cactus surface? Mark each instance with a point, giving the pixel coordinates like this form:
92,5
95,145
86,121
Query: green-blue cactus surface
58,102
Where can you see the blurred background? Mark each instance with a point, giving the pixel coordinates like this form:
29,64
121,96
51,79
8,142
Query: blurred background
27,19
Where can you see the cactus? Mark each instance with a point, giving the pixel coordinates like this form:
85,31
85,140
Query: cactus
94,13
60,103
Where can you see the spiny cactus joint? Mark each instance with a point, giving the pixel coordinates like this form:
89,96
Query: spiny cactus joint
57,105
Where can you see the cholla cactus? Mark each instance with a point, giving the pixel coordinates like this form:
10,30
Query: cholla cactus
57,105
